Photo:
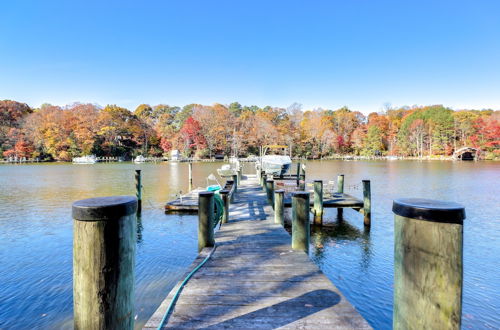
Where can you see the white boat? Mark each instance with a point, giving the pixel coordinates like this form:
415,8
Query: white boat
274,164
89,159
226,171
140,159
175,155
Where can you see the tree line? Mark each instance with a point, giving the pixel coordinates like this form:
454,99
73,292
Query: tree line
61,133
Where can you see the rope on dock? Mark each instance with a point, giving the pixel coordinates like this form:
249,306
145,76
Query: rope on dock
177,293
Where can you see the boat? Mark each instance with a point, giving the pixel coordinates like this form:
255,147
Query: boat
175,156
226,171
89,159
274,164
140,159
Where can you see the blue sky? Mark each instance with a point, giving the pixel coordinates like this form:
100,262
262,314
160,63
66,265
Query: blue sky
359,53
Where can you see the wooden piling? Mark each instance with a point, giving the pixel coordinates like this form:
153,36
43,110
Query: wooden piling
138,190
340,183
205,220
298,173
318,202
190,176
428,247
235,181
270,191
230,183
367,203
279,207
302,177
300,221
262,178
104,239
224,194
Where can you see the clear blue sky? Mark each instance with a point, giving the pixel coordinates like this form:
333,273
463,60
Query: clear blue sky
359,53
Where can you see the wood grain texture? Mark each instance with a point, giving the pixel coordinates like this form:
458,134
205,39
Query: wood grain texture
103,273
255,280
427,274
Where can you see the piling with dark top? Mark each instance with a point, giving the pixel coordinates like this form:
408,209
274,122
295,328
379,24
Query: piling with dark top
235,181
367,203
270,191
302,186
300,221
104,239
428,247
318,202
224,194
231,183
262,178
205,219
138,190
298,173
279,207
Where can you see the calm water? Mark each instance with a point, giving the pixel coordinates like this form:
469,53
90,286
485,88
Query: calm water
36,234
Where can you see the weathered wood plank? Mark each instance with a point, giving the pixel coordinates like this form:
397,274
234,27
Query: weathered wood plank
255,280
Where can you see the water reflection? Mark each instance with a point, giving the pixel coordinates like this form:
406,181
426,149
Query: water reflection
139,228
341,230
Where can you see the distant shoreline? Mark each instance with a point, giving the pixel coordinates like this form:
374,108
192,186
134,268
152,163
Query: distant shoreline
207,160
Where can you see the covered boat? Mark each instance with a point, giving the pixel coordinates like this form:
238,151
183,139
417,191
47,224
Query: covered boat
274,164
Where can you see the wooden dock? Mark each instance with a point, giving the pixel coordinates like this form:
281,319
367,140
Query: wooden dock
255,280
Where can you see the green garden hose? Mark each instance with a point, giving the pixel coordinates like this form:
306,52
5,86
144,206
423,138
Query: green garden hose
218,208
177,293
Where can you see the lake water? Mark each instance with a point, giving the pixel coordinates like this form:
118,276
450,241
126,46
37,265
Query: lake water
36,234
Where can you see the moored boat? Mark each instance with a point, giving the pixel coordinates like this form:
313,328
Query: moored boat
89,159
140,159
274,164
226,171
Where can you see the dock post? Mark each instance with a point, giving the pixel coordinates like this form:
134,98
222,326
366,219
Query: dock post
428,270
270,191
303,177
224,194
138,190
205,219
190,176
367,203
318,202
298,173
262,178
104,240
231,182
300,221
279,207
340,190
239,173
340,184
235,181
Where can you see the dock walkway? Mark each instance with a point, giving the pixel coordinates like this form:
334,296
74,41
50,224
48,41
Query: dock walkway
255,280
